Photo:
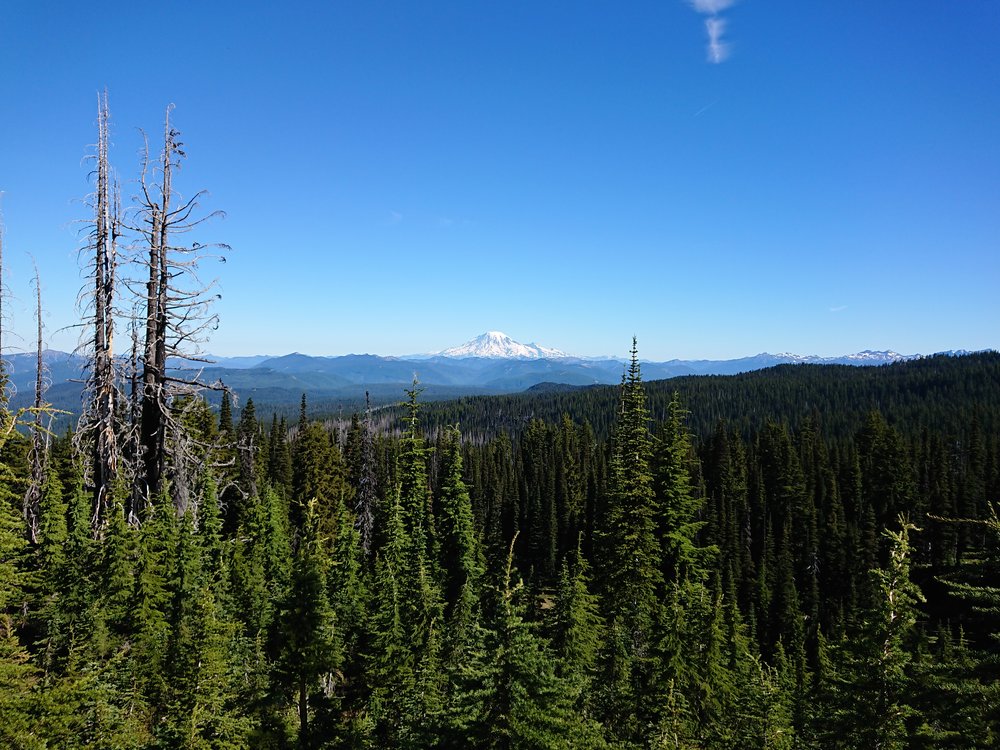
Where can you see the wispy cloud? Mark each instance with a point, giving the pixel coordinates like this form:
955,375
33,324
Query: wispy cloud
711,7
718,50
395,217
838,308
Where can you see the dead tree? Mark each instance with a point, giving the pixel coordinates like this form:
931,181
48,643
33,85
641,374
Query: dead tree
104,392
367,496
37,455
100,424
174,311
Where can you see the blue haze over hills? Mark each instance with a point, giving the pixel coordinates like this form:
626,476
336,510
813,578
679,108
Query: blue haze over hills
489,364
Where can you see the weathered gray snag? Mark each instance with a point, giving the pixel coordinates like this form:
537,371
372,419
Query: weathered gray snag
176,315
367,496
98,433
101,417
37,454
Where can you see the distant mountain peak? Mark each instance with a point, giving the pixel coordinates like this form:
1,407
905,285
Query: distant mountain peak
866,357
498,345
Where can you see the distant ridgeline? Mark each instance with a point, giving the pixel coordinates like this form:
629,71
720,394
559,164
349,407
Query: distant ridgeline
941,392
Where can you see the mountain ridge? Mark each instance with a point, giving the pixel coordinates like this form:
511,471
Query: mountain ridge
341,382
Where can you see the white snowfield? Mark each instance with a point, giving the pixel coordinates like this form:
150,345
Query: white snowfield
498,345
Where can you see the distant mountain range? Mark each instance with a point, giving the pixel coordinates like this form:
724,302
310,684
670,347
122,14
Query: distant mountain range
492,363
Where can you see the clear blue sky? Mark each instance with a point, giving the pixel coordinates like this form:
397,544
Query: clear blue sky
401,176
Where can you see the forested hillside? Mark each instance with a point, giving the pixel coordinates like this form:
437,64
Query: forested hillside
942,392
766,586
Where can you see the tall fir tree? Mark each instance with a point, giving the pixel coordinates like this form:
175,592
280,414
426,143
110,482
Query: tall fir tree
630,571
306,646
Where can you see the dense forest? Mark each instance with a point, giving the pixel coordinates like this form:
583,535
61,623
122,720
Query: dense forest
807,557
321,587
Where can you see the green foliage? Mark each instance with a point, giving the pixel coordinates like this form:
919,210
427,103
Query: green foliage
630,567
307,653
876,692
527,705
462,560
310,596
677,503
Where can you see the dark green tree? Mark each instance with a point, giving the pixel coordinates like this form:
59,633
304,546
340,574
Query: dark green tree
462,559
306,653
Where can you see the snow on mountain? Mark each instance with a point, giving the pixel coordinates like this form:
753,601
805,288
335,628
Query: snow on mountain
887,356
867,357
498,345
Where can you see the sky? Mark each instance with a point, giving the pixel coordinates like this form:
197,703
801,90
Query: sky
716,178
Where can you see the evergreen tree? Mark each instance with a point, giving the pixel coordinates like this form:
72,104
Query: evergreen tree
876,688
677,503
462,558
630,563
197,708
279,466
320,473
577,630
527,704
17,674
306,645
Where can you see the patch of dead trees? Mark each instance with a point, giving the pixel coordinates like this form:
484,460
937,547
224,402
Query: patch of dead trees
143,279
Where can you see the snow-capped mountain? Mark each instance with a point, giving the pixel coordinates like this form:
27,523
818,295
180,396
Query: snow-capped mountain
867,357
498,345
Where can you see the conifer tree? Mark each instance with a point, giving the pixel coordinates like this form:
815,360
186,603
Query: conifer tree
148,607
364,479
307,654
973,584
630,564
17,674
197,709
251,451
462,558
677,503
414,493
259,568
877,690
527,704
391,658
279,468
319,473
577,629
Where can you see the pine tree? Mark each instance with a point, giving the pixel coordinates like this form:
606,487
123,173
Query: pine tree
414,493
577,629
17,674
677,503
630,563
148,607
462,560
305,633
279,467
974,586
320,474
391,658
877,691
527,704
197,709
